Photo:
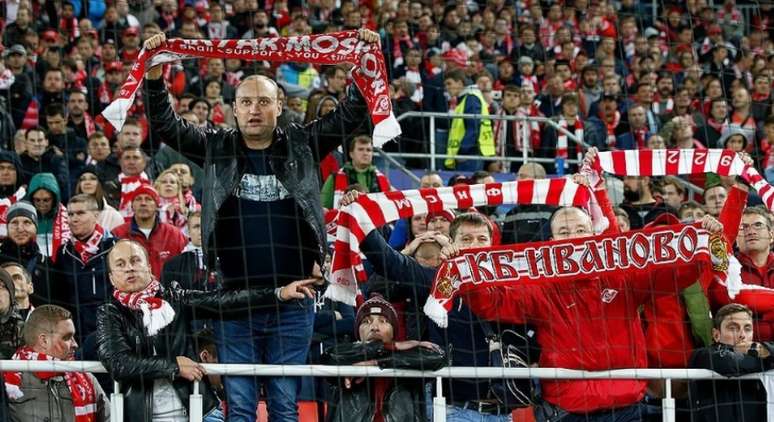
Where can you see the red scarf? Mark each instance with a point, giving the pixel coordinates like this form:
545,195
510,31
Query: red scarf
89,124
369,73
156,312
90,247
562,143
171,212
128,185
369,212
639,137
720,127
397,53
611,129
61,231
6,203
80,385
760,97
190,201
569,260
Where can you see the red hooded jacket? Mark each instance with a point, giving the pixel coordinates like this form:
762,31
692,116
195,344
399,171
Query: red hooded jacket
164,243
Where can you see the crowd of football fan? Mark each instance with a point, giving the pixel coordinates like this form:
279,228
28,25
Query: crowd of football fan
208,217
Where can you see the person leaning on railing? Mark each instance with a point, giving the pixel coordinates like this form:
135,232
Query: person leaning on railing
371,399
733,353
143,334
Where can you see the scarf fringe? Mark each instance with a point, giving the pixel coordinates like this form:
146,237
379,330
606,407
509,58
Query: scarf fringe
155,320
436,312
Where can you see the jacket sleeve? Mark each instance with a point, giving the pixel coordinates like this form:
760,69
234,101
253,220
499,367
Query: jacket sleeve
411,278
225,304
503,303
349,353
416,358
726,361
117,356
346,120
472,126
327,191
169,127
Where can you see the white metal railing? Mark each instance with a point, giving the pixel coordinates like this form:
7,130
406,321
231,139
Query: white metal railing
439,402
433,155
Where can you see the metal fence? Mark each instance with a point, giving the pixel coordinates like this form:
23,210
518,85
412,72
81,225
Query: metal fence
439,401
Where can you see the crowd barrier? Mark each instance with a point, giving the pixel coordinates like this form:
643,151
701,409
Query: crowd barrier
439,402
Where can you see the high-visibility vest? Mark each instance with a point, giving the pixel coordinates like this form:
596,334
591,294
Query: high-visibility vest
486,143
343,180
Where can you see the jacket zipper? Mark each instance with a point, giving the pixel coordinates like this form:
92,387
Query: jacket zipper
93,282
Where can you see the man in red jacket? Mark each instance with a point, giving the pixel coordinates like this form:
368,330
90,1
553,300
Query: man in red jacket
754,241
162,241
591,324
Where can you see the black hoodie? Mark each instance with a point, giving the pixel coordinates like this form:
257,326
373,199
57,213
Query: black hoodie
11,157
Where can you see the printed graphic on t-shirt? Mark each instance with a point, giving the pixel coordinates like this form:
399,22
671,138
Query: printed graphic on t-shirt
263,188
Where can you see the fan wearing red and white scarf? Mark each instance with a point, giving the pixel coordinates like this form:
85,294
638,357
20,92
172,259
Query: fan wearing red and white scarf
61,231
128,186
157,313
89,247
561,139
80,385
172,213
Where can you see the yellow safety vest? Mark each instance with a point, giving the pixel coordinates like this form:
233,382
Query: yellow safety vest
486,142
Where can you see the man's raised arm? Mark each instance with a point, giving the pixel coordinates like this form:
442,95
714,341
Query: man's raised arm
164,124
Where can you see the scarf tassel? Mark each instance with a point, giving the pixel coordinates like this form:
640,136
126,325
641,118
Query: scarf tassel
156,314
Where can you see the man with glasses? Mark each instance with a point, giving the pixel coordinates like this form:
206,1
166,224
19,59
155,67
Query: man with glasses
261,218
754,241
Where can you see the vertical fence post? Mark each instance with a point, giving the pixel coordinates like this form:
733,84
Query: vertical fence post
116,403
668,403
432,143
196,404
439,402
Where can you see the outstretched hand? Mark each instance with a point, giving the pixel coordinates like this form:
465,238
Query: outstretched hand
299,289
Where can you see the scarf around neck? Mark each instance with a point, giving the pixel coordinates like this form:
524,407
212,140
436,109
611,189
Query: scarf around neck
90,247
80,385
157,313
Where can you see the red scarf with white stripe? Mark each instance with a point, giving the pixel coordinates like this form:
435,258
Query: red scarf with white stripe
369,212
561,138
128,185
369,73
90,247
675,162
61,231
171,212
6,203
81,387
611,127
156,312
566,261
341,181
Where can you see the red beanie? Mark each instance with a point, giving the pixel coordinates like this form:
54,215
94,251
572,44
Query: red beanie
147,190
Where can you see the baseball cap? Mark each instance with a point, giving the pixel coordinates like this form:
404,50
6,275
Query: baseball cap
15,49
114,67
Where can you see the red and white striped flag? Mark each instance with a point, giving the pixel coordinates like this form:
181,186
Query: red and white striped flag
357,220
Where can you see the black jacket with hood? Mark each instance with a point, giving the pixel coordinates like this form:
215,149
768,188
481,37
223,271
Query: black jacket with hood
296,153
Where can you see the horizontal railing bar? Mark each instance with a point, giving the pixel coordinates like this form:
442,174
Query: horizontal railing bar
372,371
477,157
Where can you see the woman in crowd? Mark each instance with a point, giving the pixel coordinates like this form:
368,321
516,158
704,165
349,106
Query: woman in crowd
173,208
88,183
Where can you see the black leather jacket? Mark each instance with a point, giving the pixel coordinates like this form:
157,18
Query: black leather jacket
128,353
404,400
296,153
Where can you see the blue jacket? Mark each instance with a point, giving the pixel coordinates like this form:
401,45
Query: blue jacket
84,286
464,333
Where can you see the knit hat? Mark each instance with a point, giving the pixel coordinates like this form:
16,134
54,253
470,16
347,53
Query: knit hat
712,181
22,209
376,305
448,215
146,189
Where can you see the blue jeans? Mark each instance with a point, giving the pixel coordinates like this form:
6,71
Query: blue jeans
215,415
458,414
272,336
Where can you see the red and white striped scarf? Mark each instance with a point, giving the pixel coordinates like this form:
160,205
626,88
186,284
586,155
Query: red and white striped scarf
128,185
369,212
369,73
157,313
88,122
171,212
81,387
568,260
61,231
677,162
6,203
561,138
611,127
90,247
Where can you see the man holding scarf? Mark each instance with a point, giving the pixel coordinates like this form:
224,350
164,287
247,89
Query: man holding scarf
49,335
591,324
261,199
143,333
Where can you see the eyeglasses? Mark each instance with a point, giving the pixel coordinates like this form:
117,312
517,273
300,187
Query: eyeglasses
758,226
